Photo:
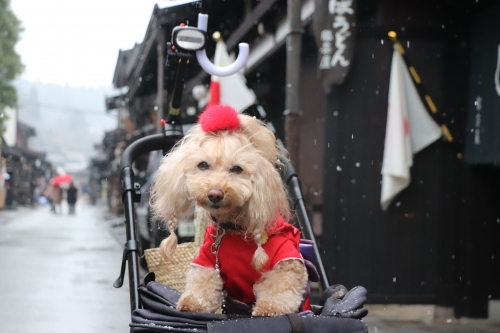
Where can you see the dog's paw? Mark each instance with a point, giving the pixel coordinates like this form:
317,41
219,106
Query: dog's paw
191,303
269,308
196,303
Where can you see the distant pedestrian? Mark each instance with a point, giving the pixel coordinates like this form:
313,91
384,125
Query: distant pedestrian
71,197
48,194
56,196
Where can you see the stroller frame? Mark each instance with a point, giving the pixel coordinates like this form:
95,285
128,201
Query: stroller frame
130,193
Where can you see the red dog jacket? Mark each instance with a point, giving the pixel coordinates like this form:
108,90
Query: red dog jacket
236,253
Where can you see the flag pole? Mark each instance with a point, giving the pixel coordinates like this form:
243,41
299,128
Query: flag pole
214,91
421,89
216,36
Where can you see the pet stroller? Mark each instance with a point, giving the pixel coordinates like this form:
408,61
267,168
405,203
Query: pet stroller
153,305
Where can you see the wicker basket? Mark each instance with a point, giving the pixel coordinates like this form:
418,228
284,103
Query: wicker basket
173,274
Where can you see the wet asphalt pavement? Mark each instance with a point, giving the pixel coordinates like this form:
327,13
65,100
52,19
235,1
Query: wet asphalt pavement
57,271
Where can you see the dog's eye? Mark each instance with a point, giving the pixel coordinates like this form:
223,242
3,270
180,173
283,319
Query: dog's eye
203,166
236,169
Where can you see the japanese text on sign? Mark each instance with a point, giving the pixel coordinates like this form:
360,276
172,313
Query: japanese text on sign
329,59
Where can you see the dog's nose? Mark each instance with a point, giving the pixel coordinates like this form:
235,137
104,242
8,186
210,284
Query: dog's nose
215,195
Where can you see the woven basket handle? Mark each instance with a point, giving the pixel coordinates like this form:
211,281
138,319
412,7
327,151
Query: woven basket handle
202,221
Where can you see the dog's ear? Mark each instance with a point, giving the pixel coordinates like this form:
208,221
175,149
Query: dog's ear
261,137
269,197
169,197
268,200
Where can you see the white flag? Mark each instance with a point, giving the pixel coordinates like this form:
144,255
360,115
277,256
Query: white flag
229,90
409,129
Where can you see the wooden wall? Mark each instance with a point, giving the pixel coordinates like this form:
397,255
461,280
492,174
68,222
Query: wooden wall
438,242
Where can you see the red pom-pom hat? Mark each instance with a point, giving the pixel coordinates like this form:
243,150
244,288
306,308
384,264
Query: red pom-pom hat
219,117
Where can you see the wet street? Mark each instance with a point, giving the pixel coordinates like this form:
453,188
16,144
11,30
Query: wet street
57,273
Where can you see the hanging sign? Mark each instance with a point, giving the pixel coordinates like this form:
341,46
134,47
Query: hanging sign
334,32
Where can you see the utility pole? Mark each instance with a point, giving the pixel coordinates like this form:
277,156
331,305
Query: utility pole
292,102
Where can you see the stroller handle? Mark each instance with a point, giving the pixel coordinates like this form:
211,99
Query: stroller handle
130,192
141,146
291,179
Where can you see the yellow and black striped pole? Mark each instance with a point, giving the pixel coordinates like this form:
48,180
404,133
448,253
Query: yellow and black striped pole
421,89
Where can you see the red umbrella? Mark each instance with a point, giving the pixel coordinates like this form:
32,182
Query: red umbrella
61,179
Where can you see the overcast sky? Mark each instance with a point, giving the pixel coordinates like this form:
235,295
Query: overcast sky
76,42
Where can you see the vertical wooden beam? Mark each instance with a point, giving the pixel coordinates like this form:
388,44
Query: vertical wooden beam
160,48
292,99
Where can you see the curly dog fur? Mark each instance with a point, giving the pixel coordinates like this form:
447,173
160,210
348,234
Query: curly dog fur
231,173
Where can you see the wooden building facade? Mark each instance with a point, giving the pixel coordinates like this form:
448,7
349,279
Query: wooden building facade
26,169
438,243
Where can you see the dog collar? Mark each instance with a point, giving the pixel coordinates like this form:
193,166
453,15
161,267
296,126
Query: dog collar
231,226
226,225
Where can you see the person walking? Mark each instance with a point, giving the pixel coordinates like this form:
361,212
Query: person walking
56,196
71,197
48,194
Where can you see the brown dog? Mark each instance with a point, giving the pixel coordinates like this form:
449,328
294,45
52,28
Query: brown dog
227,165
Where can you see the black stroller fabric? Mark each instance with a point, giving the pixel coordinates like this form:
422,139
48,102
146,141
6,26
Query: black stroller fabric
159,314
